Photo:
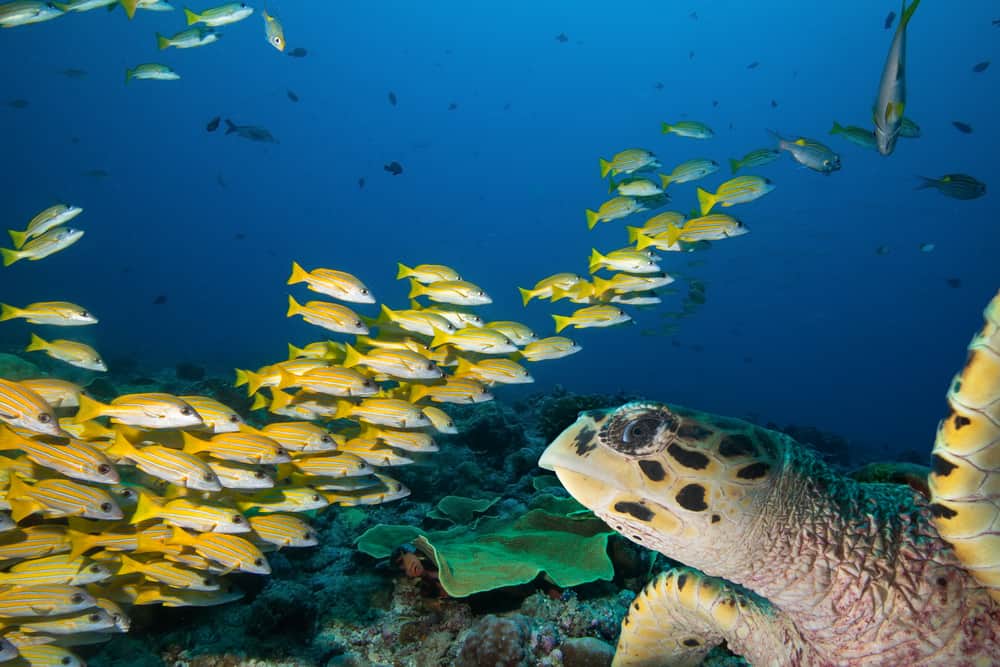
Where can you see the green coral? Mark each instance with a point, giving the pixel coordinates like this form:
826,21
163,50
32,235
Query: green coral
559,539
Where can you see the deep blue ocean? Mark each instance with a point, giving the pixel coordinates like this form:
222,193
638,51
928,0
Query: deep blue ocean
804,321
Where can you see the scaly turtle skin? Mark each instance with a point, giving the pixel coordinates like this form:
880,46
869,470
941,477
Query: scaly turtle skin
795,563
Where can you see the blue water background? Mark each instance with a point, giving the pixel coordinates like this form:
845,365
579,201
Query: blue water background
804,322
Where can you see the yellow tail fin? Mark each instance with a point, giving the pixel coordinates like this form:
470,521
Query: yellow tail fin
642,241
162,42
416,289
673,233
706,200
562,322
605,168
907,14
465,367
18,238
417,392
352,357
440,338
633,233
9,256
837,128
180,536
279,399
666,180
403,272
601,285
129,6
80,542
121,448
254,382
192,18
294,352
735,164
241,377
286,380
193,445
129,565
591,218
666,128
37,344
596,260
259,402
294,308
8,312
526,295
299,275
89,409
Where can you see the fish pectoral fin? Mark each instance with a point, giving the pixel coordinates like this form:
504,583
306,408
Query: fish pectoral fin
41,610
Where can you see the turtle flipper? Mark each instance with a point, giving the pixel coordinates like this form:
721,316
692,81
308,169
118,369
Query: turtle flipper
965,477
683,614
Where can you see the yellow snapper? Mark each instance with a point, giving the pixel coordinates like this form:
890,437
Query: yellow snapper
216,416
23,408
301,436
383,411
592,316
56,392
73,458
168,573
457,318
455,390
150,410
332,381
755,158
45,245
330,316
231,12
50,655
404,364
856,135
499,371
240,447
658,223
54,313
411,441
737,190
25,12
388,490
287,499
151,72
86,621
627,282
427,273
44,600
439,419
50,218
234,475
711,227
270,376
688,171
172,597
809,153
274,32
632,261
34,542
416,321
326,350
201,515
188,39
73,353
59,498
282,530
890,101
171,465
337,284
231,551
456,292
518,333
543,288
688,128
483,341
56,569
374,452
634,187
342,463
614,209
84,5
628,161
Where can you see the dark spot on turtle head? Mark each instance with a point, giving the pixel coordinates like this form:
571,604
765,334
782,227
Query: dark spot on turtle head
941,512
687,458
692,498
682,579
584,441
716,518
753,471
736,445
636,510
652,469
692,642
941,467
694,431
961,421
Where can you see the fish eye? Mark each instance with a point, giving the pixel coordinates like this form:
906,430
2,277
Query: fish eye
77,598
357,323
84,313
316,497
208,477
127,493
104,469
481,293
309,535
207,581
44,418
106,507
66,660
430,365
235,419
259,474
185,411
326,440
277,40
96,567
94,618
237,519
364,291
259,562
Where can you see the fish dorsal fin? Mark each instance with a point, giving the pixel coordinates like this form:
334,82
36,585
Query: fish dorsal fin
965,502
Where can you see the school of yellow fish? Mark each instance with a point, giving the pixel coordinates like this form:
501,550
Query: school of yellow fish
153,498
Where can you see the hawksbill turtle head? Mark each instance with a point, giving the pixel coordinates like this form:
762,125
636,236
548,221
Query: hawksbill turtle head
688,484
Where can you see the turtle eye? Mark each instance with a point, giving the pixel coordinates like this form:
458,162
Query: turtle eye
106,507
44,418
639,431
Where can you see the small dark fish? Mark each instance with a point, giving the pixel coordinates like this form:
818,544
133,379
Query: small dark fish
213,124
160,300
18,104
239,236
747,360
753,65
996,23
292,96
964,128
251,132
74,140
889,19
361,183
658,85
562,38
981,67
506,107
956,186
394,168
690,55
73,73
693,16
96,173
392,98
882,250
298,52
954,283
452,106
220,181
715,103
774,104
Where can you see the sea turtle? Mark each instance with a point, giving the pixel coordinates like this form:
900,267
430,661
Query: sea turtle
786,560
